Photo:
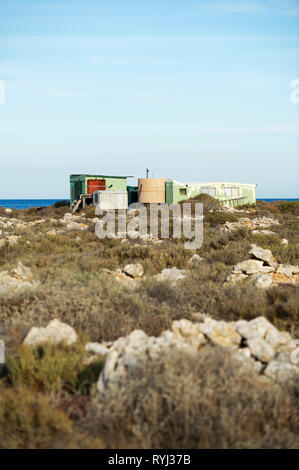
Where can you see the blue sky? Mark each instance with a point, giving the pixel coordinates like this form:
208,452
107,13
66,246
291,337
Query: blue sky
194,90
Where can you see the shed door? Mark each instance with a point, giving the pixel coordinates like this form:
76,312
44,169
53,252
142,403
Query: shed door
96,185
78,189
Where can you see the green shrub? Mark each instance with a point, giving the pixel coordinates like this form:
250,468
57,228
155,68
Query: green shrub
219,218
49,368
291,207
64,203
27,420
209,202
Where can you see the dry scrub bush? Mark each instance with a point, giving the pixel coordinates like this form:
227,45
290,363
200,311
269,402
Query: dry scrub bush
206,401
209,202
50,368
104,309
98,306
28,420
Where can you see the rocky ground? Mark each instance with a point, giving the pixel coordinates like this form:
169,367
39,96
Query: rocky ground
140,342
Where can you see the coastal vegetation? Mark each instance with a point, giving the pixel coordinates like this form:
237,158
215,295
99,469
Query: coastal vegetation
48,397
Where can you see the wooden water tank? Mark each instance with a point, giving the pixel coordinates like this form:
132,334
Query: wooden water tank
151,190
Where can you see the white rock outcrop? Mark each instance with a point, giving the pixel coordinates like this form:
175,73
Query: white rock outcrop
19,278
171,275
263,254
257,343
260,349
250,266
134,270
281,371
250,224
55,332
263,270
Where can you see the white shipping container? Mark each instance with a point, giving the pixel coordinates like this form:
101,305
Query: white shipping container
106,200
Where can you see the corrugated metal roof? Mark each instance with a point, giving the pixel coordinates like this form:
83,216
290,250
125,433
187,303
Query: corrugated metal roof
102,176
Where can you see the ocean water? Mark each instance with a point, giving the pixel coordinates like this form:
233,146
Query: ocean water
277,199
26,203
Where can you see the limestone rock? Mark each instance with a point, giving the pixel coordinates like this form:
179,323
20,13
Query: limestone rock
261,325
171,275
68,217
51,233
10,240
133,352
23,272
220,332
287,269
129,355
283,357
19,278
261,328
263,254
76,226
119,276
134,270
55,332
262,281
235,277
284,241
249,266
260,349
281,371
251,224
244,355
195,259
263,232
97,348
189,332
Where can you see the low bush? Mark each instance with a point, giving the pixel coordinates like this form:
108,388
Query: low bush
175,402
49,368
64,203
219,218
28,420
291,207
209,202
205,401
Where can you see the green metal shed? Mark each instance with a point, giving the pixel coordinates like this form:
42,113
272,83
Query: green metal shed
85,184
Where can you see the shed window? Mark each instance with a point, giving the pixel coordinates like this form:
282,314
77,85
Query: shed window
231,192
183,191
210,190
